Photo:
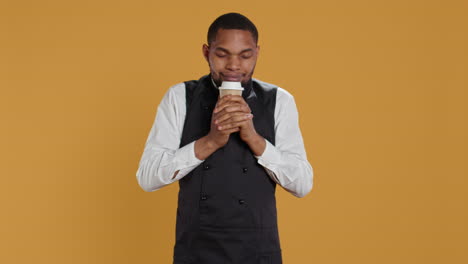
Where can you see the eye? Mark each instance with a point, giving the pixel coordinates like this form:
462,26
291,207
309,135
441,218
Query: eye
220,55
247,55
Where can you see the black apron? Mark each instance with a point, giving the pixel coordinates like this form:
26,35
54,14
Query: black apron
227,208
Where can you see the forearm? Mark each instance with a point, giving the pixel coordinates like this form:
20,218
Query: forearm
160,167
257,144
204,147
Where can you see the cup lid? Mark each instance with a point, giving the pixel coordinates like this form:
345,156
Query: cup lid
231,86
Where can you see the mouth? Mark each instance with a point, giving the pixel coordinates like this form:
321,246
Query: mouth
231,77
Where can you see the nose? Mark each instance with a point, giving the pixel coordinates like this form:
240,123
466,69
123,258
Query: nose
233,63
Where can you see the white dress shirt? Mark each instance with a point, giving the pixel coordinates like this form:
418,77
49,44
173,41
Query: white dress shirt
285,162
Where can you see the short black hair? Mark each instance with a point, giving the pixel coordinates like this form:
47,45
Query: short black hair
232,21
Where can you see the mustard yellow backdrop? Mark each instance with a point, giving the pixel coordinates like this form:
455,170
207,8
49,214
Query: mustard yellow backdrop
381,87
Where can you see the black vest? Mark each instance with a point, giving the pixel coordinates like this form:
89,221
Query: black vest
227,208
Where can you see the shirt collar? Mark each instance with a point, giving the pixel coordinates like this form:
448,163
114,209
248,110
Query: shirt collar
213,82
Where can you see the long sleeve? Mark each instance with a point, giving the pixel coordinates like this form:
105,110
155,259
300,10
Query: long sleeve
286,162
163,162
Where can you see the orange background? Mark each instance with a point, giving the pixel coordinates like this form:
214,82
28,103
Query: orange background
381,87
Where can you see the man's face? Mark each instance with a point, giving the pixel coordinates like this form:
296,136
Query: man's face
231,56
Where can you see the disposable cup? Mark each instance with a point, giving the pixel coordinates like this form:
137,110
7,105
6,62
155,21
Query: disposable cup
233,88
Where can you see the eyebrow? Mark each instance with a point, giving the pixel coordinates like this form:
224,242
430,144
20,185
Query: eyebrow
227,51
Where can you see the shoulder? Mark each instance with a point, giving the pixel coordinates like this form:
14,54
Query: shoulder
284,95
174,95
177,89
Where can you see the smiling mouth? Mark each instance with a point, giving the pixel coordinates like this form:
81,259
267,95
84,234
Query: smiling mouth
232,77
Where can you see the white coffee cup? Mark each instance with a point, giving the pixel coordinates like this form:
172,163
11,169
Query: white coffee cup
233,88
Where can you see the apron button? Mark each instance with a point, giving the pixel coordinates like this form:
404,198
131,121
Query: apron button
241,201
203,198
206,167
244,170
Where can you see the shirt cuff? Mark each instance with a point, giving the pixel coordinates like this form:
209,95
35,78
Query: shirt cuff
269,160
188,160
270,155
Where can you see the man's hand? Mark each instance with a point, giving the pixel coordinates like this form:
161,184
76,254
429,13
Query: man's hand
232,112
219,133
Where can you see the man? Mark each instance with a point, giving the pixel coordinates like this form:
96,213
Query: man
227,153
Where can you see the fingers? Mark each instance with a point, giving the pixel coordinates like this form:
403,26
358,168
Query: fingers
228,113
230,110
227,131
229,100
234,117
235,122
221,101
231,113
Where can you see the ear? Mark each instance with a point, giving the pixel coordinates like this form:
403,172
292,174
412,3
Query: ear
206,51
